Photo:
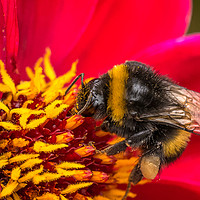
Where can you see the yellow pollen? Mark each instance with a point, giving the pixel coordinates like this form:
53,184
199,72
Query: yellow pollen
73,188
44,147
3,143
48,68
70,165
31,163
48,196
30,175
15,174
55,108
20,142
6,78
8,189
22,157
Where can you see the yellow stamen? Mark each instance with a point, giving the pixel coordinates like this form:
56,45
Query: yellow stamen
24,85
31,174
20,186
4,107
5,156
73,188
22,157
66,173
62,197
19,142
48,68
46,177
29,72
26,103
70,165
3,163
8,189
44,147
15,174
7,80
10,126
3,143
16,196
48,196
38,77
31,163
36,122
9,198
4,88
55,108
54,89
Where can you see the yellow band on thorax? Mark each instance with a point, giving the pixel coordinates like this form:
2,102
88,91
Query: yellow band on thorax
116,101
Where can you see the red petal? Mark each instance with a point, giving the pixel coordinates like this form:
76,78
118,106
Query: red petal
120,29
179,59
9,35
57,24
117,30
166,190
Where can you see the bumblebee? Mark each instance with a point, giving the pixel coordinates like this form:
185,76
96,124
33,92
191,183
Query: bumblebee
150,111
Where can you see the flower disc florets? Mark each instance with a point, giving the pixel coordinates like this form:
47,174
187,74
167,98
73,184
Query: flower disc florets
46,152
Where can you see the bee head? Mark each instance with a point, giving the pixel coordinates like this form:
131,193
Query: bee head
90,99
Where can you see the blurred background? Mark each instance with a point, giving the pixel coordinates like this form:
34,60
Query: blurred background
195,22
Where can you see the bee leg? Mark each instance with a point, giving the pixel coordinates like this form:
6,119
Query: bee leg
148,166
140,138
116,148
134,177
151,161
135,140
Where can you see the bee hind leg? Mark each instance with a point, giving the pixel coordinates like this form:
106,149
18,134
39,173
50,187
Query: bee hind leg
148,166
134,177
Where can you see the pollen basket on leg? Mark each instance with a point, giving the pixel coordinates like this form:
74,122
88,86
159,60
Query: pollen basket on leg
116,101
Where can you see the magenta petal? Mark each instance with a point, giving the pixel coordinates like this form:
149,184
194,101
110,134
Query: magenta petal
117,29
2,34
9,36
57,24
165,190
120,29
178,58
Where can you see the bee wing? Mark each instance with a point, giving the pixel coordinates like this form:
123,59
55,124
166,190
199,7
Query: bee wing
184,112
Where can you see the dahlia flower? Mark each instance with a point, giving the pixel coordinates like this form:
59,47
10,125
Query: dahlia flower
46,151
99,34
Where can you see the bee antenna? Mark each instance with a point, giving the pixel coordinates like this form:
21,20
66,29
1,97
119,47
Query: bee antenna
74,81
86,104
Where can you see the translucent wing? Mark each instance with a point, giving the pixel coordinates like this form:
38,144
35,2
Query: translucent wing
183,112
